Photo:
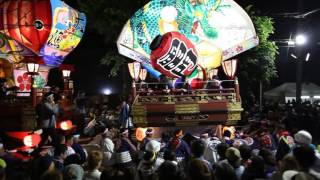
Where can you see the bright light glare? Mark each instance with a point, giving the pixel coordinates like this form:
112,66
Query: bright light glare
307,57
305,97
301,39
294,56
316,97
291,43
107,91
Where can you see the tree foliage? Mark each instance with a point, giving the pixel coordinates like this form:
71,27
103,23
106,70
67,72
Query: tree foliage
258,64
107,17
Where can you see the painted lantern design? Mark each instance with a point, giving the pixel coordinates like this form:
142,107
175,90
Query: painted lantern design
218,29
49,28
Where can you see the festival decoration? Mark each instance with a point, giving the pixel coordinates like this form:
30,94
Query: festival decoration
48,28
143,74
31,140
23,81
134,70
140,133
230,67
173,55
219,30
198,78
66,125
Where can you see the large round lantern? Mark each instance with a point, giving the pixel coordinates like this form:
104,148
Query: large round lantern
173,55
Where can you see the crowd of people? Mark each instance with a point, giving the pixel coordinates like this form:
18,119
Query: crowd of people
103,146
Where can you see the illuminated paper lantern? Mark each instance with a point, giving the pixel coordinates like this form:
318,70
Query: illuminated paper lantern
219,30
48,28
134,70
32,140
198,78
66,125
230,67
143,74
140,133
173,55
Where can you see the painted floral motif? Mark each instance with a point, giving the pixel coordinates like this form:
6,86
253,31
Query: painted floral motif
24,82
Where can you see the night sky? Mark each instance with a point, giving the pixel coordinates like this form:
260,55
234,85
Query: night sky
90,76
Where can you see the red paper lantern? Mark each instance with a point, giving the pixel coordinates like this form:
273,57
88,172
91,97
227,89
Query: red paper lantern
140,133
31,140
28,22
197,83
66,125
173,55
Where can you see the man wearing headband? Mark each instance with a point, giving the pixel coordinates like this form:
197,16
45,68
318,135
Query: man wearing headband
178,145
149,137
123,149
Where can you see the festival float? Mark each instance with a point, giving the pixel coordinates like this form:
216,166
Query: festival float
186,40
38,33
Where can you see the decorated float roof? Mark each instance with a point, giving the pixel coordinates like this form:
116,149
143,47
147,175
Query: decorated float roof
48,28
219,29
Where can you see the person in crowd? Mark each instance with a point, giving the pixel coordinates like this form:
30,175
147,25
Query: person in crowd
73,172
94,163
3,166
221,150
169,170
306,158
123,148
233,157
178,145
73,159
78,148
41,165
170,156
287,163
52,175
154,146
149,137
255,170
164,84
227,137
214,83
125,120
47,112
197,149
269,161
60,154
224,171
210,152
107,147
69,143
198,170
112,174
146,169
245,153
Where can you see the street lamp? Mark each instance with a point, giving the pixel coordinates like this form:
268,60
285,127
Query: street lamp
33,68
300,39
66,71
299,74
230,68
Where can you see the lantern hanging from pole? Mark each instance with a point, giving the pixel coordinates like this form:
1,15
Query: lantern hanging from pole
230,67
143,74
134,70
66,70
